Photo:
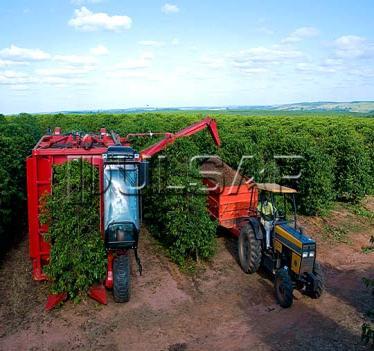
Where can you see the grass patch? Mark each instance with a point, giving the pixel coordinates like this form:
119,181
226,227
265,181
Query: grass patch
335,233
361,211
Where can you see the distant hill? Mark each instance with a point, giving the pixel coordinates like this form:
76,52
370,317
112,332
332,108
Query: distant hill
354,106
364,107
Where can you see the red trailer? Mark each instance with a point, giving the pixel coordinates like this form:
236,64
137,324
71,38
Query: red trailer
232,198
109,153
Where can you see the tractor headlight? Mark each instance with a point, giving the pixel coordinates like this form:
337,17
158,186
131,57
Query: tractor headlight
311,254
305,254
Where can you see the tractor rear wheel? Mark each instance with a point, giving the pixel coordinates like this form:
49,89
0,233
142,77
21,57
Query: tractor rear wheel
249,249
121,278
283,288
318,283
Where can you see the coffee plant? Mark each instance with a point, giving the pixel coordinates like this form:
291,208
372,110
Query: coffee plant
17,137
72,212
337,163
181,221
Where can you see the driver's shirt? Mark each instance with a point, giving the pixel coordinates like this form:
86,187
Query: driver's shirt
266,210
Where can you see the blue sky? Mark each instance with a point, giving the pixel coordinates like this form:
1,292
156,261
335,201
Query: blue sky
99,54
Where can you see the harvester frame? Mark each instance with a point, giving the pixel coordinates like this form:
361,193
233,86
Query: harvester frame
103,150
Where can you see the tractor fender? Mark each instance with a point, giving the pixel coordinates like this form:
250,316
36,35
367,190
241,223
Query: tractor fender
255,224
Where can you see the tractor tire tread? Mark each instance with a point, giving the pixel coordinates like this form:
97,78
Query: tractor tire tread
282,278
122,279
319,283
252,264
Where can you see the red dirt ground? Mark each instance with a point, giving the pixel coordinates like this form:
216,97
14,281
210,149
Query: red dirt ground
217,308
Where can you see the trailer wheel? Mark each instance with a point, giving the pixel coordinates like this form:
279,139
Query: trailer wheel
121,278
249,249
283,288
318,282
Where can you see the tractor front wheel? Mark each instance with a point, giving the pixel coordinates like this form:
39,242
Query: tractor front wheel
249,249
283,288
121,278
318,284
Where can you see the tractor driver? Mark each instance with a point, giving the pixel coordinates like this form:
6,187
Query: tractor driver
267,211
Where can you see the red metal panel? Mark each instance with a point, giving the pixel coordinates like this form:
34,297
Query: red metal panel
230,204
188,131
39,178
55,299
32,204
98,293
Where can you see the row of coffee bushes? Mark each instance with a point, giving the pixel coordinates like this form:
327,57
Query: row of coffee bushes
333,154
325,157
17,137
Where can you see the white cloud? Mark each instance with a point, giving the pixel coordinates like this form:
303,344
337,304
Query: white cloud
144,61
349,69
14,74
99,50
62,82
264,60
175,41
127,74
257,70
4,63
55,77
212,61
86,20
63,71
152,43
170,8
300,34
265,30
82,2
15,78
308,67
19,87
263,55
75,59
351,46
21,54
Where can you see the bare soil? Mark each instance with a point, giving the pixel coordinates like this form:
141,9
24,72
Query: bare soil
216,308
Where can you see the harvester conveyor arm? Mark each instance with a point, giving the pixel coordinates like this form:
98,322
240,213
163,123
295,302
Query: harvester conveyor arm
207,122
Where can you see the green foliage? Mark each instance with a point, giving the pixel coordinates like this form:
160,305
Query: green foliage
337,161
175,205
17,137
72,213
335,233
352,164
361,211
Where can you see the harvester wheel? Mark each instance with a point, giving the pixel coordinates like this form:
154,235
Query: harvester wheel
318,283
283,288
249,249
121,278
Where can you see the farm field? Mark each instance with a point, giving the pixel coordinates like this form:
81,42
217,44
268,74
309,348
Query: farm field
216,308
186,175
336,152
211,304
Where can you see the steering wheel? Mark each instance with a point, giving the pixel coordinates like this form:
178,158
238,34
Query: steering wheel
281,214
